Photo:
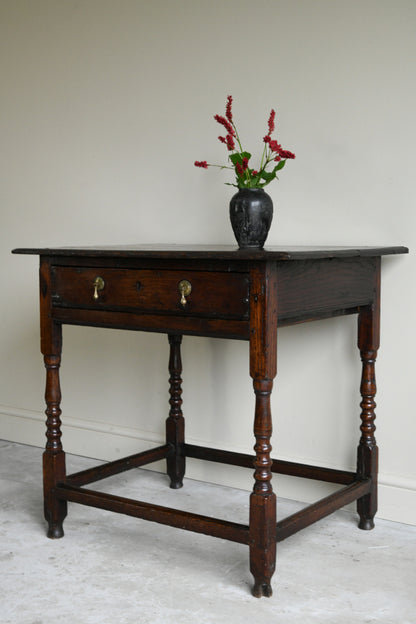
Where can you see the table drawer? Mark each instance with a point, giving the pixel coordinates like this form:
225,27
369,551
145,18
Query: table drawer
217,294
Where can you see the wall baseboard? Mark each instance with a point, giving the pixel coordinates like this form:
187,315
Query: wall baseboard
397,494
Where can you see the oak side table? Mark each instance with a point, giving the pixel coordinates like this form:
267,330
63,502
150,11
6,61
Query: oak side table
219,292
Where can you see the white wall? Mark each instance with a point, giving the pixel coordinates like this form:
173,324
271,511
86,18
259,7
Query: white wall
105,106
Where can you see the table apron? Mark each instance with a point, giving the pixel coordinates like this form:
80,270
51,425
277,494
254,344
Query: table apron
162,323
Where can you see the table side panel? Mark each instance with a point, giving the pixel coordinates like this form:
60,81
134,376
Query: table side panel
325,287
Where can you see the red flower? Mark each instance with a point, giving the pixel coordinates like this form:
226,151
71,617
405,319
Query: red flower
271,120
230,142
239,159
275,146
286,154
239,169
223,121
228,111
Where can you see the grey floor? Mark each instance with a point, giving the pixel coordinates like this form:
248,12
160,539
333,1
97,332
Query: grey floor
114,569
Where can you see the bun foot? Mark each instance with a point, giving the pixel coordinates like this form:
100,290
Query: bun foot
262,589
55,531
366,524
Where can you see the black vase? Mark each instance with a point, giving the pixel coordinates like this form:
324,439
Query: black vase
251,213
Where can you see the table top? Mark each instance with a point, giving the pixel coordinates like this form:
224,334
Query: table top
223,252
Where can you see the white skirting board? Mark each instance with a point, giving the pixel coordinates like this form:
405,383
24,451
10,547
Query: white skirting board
397,495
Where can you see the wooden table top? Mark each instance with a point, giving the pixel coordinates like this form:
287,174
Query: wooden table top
218,252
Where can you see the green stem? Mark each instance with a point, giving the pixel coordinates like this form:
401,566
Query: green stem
237,137
262,158
269,158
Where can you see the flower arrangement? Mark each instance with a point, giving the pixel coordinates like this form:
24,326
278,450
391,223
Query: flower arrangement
246,177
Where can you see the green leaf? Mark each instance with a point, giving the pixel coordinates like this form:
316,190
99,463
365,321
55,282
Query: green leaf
238,158
268,176
280,165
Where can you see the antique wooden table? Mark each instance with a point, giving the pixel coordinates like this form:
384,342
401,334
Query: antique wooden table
220,292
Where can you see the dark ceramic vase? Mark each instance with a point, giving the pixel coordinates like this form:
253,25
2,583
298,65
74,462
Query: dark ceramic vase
251,213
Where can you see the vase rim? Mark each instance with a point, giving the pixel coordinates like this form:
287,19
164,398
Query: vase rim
252,188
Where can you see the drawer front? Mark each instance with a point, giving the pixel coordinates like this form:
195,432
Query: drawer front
213,293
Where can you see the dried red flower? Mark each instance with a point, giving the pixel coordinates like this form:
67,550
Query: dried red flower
267,139
245,163
201,163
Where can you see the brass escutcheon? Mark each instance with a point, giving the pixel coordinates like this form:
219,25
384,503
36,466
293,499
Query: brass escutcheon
185,288
98,284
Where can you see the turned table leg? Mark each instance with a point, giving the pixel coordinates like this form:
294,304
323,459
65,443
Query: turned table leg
262,499
263,366
175,423
367,454
53,456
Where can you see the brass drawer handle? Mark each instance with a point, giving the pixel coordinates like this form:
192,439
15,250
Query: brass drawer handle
98,284
185,289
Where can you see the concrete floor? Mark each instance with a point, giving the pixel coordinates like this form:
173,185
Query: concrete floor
115,569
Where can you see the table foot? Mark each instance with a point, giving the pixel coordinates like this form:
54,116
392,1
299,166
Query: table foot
55,531
55,509
262,588
366,524
176,485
